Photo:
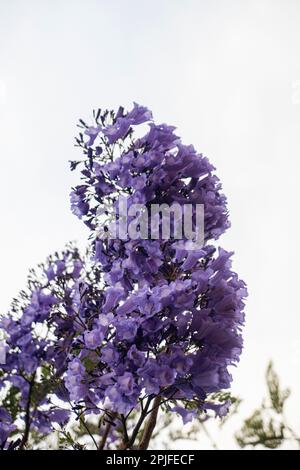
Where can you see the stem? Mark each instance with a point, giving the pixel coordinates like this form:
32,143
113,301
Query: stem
105,436
27,416
150,425
106,431
125,433
88,431
138,425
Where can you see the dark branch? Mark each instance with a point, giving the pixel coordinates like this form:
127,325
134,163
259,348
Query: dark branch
150,425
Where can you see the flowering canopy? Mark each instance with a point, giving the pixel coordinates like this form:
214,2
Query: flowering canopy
137,319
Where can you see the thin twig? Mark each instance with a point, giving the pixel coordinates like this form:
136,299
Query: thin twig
88,431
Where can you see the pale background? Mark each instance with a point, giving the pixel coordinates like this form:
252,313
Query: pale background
227,74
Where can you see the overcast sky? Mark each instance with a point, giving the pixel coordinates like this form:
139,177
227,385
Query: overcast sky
227,74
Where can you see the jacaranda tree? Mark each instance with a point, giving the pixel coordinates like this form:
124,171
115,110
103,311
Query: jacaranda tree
131,326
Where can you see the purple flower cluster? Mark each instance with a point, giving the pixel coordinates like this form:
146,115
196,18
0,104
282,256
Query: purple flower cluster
156,168
137,319
39,333
174,315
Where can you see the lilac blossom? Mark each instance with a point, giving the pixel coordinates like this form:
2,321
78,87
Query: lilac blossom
134,320
160,292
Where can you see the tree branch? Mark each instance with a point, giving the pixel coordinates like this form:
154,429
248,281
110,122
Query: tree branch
125,433
104,436
27,415
150,425
106,431
138,425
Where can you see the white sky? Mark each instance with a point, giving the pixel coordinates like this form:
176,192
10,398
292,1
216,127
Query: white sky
227,74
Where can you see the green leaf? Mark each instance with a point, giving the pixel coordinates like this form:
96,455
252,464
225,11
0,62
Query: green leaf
277,397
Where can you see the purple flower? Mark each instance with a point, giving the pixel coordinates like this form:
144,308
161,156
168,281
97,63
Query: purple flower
92,132
126,383
137,357
126,329
79,206
93,338
6,426
220,409
59,416
186,415
149,377
109,355
166,376
113,295
118,401
180,361
119,129
75,380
